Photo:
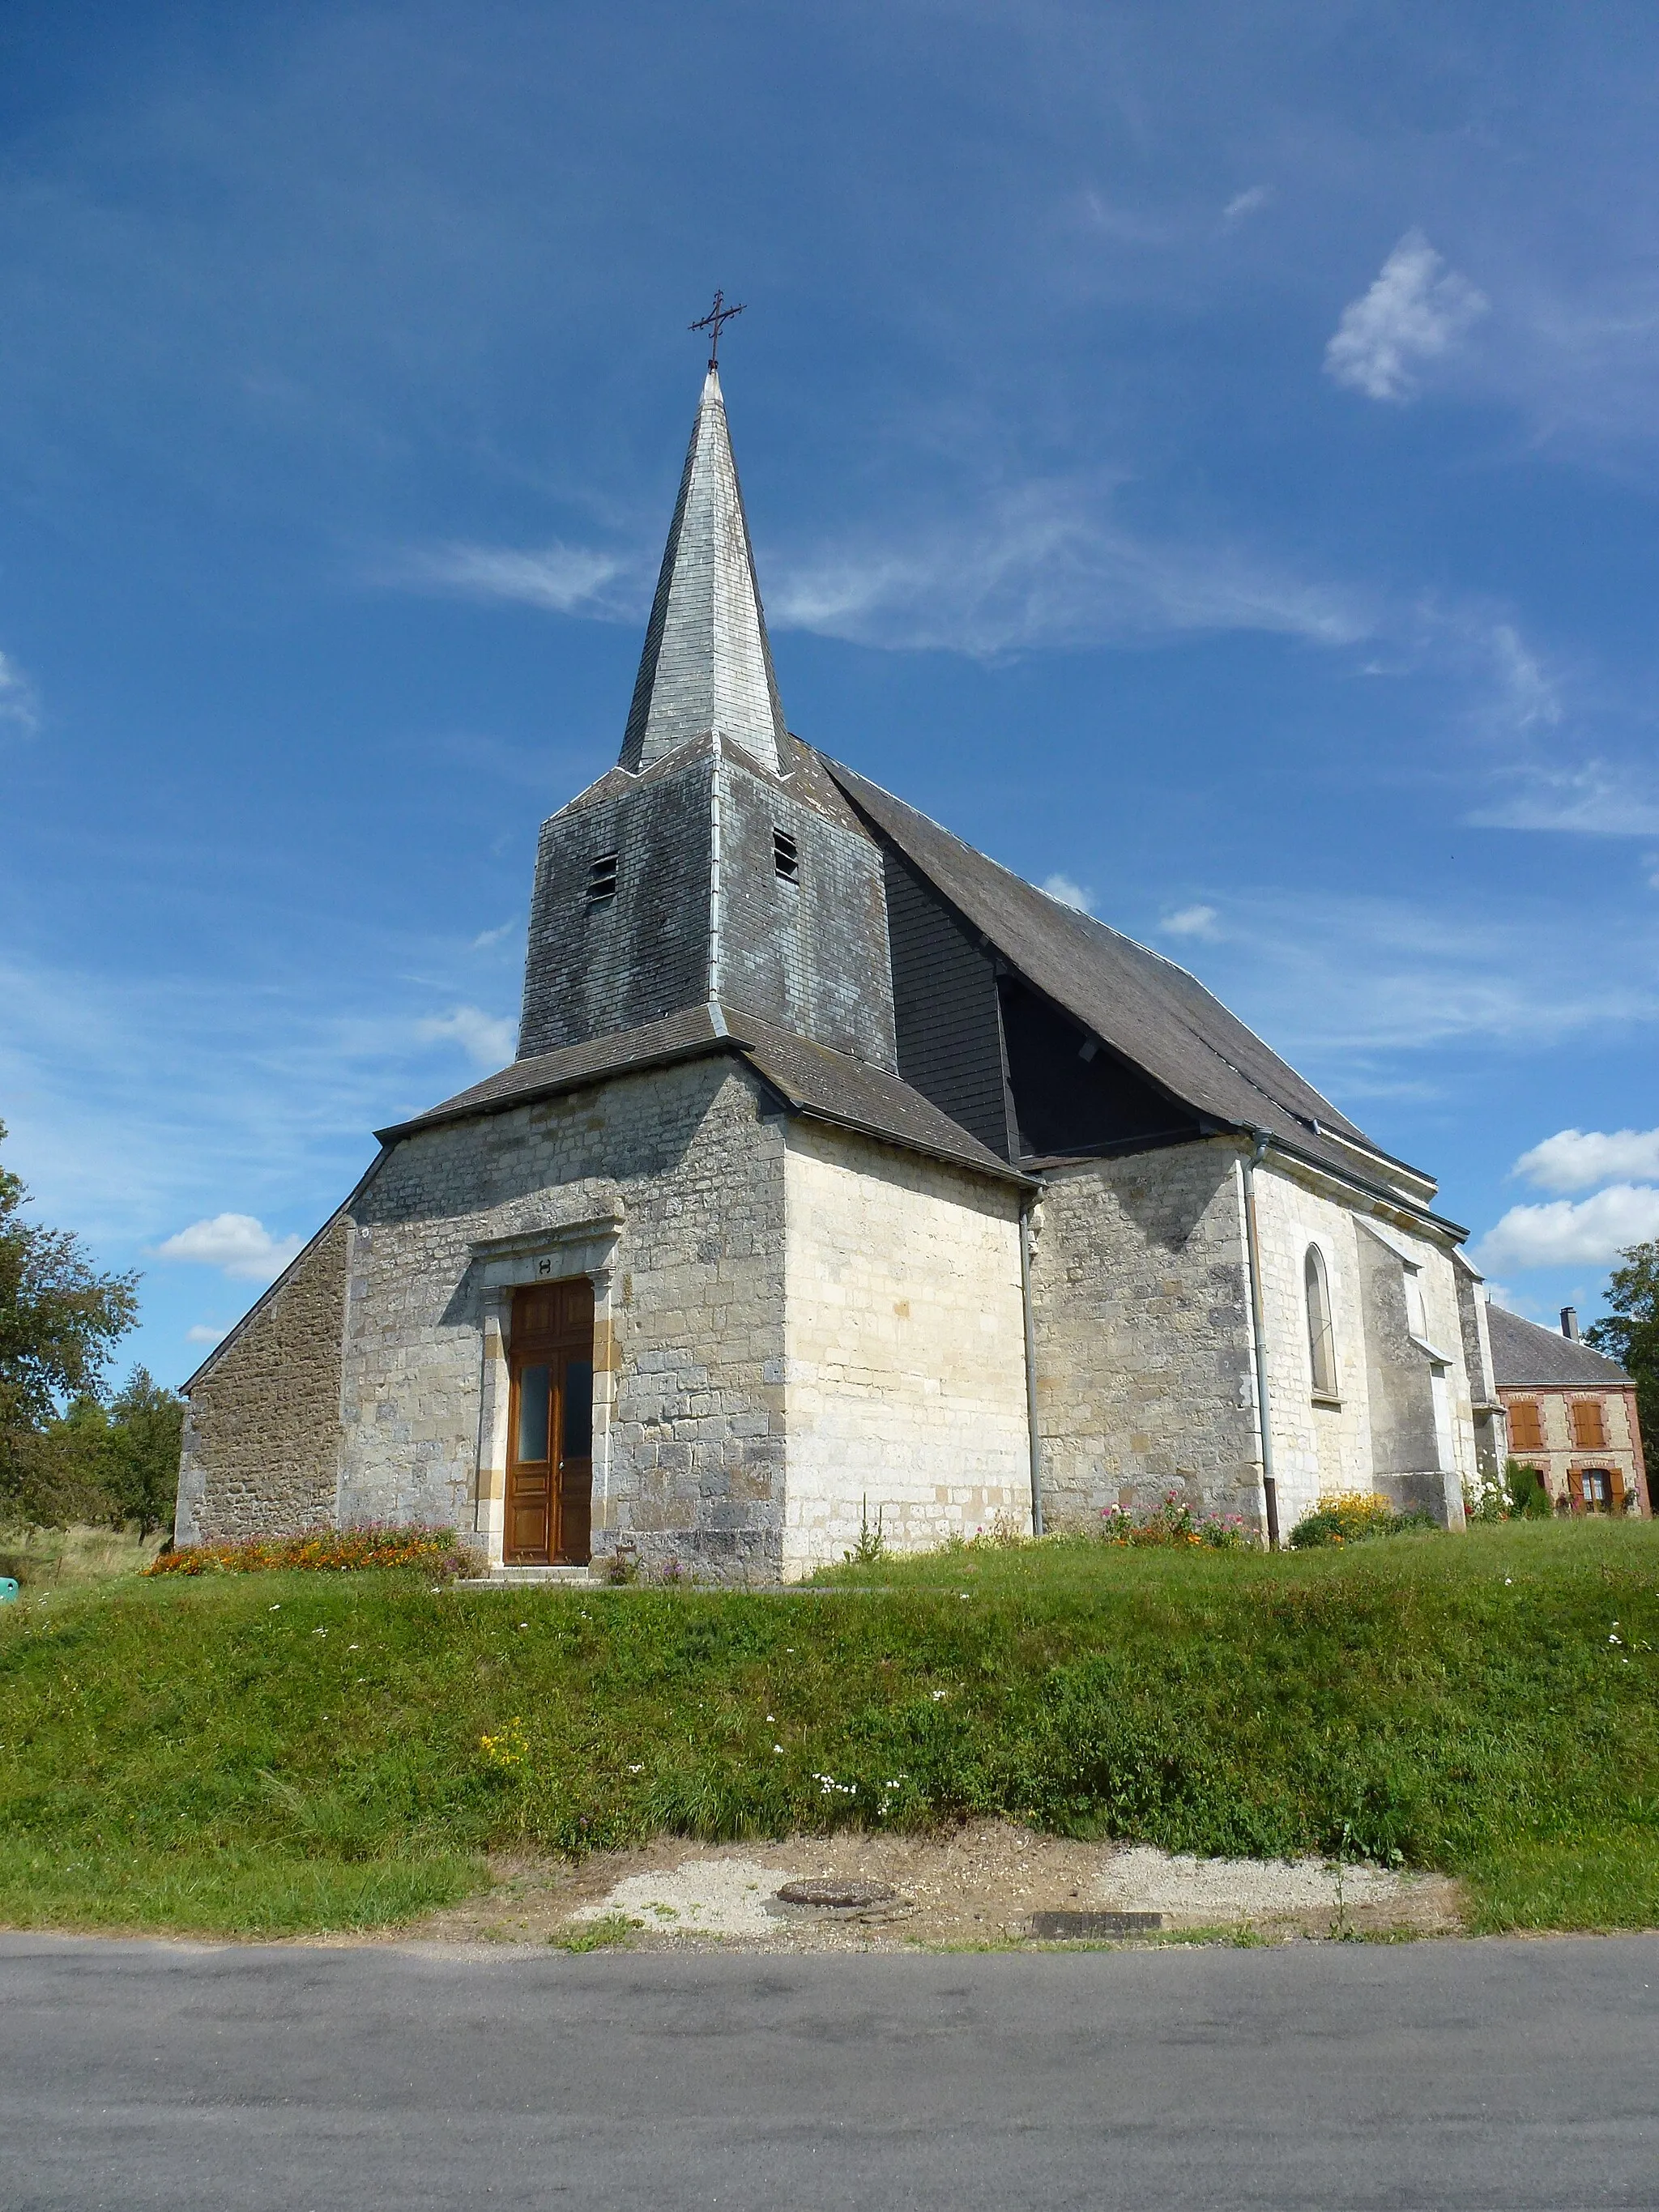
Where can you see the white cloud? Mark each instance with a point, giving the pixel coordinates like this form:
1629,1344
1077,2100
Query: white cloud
486,938
238,1242
1069,893
202,1333
1415,312
490,1039
565,580
18,703
1047,564
1190,922
1588,1232
1592,797
1577,1159
1248,203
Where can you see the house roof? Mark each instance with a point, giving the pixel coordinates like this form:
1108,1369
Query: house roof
811,1080
1148,1010
1525,1356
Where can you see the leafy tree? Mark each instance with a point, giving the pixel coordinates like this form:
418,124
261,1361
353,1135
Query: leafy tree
59,1318
141,1452
1630,1334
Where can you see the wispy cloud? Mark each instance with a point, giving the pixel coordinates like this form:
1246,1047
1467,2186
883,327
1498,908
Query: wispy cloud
1246,203
1047,564
239,1244
203,1332
1070,893
1190,922
490,1039
486,938
20,707
1587,1233
1414,314
564,580
1577,1159
1594,798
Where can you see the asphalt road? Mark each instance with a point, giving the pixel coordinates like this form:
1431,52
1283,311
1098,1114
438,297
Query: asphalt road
1447,2074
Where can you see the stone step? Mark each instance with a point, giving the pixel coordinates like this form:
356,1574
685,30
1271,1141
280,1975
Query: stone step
532,1578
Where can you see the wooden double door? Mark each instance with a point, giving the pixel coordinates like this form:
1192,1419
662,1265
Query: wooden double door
550,1458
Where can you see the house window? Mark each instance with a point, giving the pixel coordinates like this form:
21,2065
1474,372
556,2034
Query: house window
1589,1431
785,857
1321,1340
1595,1485
1526,1426
602,878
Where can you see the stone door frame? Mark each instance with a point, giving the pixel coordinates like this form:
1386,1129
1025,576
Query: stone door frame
559,1253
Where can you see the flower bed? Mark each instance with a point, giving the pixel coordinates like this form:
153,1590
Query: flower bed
327,1551
1175,1523
1352,1517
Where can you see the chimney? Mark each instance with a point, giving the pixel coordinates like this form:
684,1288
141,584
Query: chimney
1570,1323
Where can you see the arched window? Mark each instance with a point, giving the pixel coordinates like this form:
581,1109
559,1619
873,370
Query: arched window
1322,1342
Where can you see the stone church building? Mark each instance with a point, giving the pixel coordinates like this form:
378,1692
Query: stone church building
840,1175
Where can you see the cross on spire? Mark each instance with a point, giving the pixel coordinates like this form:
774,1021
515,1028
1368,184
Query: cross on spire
719,315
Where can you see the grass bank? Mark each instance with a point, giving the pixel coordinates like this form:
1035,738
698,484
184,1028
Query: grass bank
277,1753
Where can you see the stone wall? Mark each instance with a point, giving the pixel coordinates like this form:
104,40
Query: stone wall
1141,1300
688,1165
1383,1427
904,1347
262,1436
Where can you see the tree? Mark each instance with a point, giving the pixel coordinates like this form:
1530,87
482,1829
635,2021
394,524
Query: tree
141,1452
59,1319
1630,1334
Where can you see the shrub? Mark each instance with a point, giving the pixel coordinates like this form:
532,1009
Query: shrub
1528,1498
327,1550
1175,1523
1353,1516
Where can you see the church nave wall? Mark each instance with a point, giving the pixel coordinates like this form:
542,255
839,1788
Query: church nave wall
904,1334
262,1436
1140,1302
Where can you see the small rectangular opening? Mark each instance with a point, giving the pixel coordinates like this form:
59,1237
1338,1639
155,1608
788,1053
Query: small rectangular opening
602,878
785,860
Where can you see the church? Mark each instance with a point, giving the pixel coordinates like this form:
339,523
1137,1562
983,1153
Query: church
842,1180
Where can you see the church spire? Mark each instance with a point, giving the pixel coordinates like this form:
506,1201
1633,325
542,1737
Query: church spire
706,666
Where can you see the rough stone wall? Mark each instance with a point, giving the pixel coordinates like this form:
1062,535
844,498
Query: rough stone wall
262,1437
1141,1301
904,1344
694,1166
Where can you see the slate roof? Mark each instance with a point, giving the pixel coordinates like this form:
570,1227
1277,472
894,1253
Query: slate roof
1152,1013
1525,1356
706,666
828,1086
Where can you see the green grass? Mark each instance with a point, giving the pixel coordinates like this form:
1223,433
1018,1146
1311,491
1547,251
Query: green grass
273,1753
44,1558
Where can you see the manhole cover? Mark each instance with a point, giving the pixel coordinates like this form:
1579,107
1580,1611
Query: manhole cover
1063,1927
839,1895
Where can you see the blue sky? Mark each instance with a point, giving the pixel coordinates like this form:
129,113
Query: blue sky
1206,456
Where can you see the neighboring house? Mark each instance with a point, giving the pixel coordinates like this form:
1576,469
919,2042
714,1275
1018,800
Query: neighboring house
840,1175
1571,1415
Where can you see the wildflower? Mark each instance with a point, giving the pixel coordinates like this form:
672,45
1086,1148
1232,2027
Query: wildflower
778,1750
938,1694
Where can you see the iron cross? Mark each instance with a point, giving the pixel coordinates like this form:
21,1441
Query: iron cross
718,314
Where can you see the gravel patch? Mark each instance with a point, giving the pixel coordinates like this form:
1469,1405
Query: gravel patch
1143,1879
704,1897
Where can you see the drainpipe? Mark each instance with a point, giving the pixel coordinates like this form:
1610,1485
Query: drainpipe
1258,1328
1028,1199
